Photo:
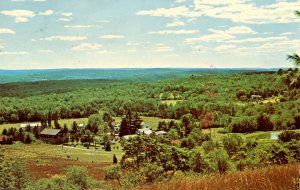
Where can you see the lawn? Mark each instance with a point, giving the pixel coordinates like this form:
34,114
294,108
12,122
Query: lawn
151,121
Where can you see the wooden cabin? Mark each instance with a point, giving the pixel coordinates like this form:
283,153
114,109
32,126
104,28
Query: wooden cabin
52,136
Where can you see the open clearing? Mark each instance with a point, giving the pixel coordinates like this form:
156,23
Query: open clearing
44,160
152,121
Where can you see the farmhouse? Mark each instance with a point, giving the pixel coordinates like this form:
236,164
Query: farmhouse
145,131
256,97
52,136
160,133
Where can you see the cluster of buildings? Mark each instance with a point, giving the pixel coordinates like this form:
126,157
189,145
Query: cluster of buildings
144,130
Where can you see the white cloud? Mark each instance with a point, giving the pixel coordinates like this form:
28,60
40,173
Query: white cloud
259,39
174,32
175,23
286,33
225,47
247,12
46,13
64,38
64,19
160,47
44,51
40,0
20,15
6,31
169,12
104,52
112,36
132,44
21,19
240,30
13,53
67,14
217,37
86,47
78,26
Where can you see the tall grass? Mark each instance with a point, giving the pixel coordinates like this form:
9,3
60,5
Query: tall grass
270,178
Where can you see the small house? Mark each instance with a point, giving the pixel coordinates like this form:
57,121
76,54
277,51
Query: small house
117,128
126,137
160,133
256,97
52,136
81,126
144,131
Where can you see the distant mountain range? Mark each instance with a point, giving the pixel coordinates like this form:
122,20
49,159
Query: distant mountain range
141,74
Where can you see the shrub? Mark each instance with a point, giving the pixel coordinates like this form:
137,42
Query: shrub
78,176
287,136
219,160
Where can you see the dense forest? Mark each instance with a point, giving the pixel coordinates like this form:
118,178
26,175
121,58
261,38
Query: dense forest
229,97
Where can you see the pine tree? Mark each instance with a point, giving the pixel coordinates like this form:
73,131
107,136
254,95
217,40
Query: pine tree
107,146
115,160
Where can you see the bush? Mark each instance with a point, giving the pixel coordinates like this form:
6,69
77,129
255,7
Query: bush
264,123
151,172
219,160
113,173
287,136
232,143
77,176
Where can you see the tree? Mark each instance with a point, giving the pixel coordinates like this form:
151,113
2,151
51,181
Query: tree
220,160
264,123
94,123
28,139
125,128
49,118
198,162
294,58
232,143
115,160
107,146
4,132
74,128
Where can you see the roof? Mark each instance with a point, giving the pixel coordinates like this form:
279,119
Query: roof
128,136
23,125
48,131
144,131
160,132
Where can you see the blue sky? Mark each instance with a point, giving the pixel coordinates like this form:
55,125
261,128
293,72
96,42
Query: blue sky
39,34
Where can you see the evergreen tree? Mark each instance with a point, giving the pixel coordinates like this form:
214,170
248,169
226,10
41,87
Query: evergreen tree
115,160
125,128
107,146
4,132
49,118
28,139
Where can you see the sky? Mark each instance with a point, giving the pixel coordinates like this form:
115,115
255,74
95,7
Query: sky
46,34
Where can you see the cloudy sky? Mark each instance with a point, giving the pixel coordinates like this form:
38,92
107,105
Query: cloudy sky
38,34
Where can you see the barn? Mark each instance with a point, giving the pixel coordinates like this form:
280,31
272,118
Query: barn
52,136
